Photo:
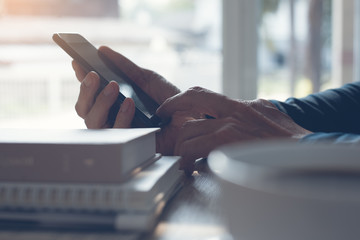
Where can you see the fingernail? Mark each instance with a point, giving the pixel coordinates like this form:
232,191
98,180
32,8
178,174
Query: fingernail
125,106
109,90
89,79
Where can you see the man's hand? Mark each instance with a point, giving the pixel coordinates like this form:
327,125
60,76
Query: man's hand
94,107
235,121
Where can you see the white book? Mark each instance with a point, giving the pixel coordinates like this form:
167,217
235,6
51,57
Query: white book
74,155
140,221
139,193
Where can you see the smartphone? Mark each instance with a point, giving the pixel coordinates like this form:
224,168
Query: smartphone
87,55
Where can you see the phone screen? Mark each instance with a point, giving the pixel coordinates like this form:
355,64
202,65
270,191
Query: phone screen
88,56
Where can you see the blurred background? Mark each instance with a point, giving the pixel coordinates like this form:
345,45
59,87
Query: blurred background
244,49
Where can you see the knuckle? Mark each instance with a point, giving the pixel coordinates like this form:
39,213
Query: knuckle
182,149
259,102
245,107
82,86
228,129
79,110
90,123
230,121
194,90
189,123
226,133
166,102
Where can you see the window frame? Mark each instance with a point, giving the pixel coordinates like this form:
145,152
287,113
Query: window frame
240,67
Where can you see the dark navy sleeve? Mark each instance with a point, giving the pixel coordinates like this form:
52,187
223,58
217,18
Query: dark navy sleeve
333,115
334,110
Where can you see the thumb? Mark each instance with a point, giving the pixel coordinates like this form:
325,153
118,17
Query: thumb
125,114
131,70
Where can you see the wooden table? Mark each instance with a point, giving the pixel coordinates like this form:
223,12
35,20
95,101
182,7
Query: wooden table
193,213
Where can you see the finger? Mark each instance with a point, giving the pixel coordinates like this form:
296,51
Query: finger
260,125
132,70
196,128
88,88
80,73
249,125
158,87
97,117
197,99
270,111
150,82
194,149
200,146
192,129
126,114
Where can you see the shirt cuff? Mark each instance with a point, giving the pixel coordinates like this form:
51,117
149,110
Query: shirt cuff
335,138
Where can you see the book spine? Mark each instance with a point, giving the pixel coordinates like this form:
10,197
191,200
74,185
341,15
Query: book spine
137,151
137,200
146,221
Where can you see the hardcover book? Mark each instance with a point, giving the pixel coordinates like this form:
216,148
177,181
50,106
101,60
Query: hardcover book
75,155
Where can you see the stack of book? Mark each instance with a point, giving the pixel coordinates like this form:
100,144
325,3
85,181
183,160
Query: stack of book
98,179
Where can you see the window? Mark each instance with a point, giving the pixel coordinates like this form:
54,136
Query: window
180,39
282,48
244,49
294,47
